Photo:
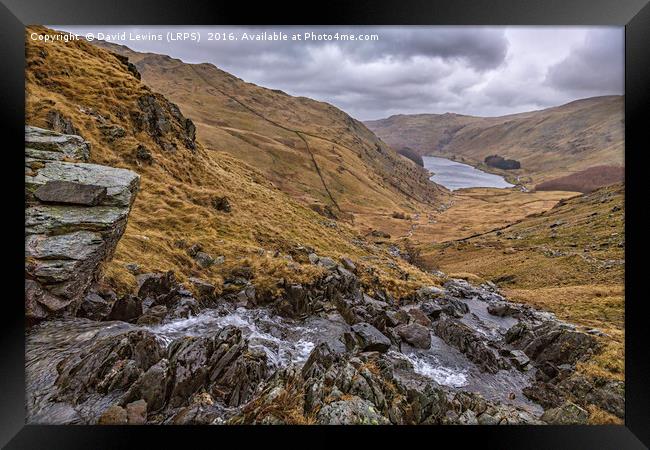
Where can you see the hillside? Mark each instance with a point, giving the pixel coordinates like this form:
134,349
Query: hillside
193,192
568,260
311,150
549,143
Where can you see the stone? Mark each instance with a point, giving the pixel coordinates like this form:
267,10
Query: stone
95,307
109,364
370,338
428,292
154,285
136,412
354,411
567,414
326,262
56,145
348,264
313,258
415,334
204,288
503,309
467,341
60,219
126,308
121,184
188,358
221,204
203,259
419,317
57,191
152,386
60,123
142,153
153,316
114,415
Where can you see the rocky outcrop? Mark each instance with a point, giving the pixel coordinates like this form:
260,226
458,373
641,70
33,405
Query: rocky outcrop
75,214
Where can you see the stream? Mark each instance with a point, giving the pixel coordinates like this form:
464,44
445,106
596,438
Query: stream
285,341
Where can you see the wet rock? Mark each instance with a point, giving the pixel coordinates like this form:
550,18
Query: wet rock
503,309
567,414
419,317
551,341
114,415
152,386
136,412
188,359
95,307
415,334
110,364
369,338
221,204
448,305
126,309
154,285
546,394
462,337
354,411
427,293
153,316
236,371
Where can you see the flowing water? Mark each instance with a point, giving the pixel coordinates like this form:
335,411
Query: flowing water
454,175
285,341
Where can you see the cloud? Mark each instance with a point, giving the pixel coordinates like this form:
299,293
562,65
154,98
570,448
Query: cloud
467,70
595,66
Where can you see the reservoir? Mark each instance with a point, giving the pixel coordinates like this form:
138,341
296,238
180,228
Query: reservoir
455,175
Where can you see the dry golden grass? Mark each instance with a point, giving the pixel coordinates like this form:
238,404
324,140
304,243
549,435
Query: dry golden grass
83,82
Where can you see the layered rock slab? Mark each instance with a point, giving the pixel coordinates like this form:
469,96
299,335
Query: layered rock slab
75,214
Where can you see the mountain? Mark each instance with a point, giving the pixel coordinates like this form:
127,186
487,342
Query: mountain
311,150
201,212
548,143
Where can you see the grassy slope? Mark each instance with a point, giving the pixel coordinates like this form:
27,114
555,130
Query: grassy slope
84,82
332,160
549,143
568,260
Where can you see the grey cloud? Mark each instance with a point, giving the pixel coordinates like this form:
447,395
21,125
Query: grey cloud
467,70
595,66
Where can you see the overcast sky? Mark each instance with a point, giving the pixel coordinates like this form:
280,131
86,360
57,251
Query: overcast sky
482,71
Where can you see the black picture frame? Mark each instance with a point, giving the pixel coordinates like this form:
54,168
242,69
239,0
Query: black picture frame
633,14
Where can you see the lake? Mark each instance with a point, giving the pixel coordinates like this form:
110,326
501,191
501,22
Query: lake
454,175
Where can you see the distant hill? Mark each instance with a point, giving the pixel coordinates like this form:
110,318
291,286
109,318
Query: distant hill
548,143
586,180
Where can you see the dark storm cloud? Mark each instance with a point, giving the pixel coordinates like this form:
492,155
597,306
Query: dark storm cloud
596,65
468,70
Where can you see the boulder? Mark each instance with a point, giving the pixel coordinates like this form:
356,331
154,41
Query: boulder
114,415
369,338
354,411
415,334
566,414
469,342
95,307
136,412
127,309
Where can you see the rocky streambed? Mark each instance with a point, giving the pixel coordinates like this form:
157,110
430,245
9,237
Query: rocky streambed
461,354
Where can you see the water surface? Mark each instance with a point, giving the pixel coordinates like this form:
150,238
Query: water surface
454,175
